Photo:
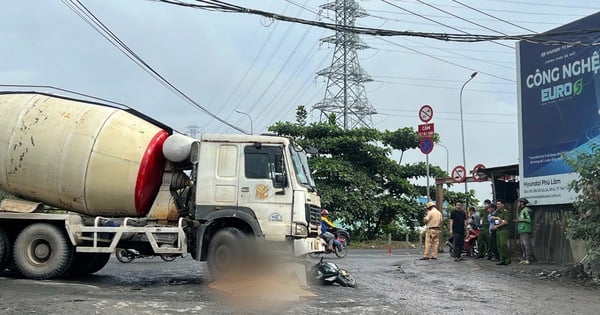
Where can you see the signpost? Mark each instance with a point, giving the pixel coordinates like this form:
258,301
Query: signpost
426,133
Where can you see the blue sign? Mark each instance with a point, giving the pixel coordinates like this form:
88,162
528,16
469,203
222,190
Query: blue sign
426,145
559,108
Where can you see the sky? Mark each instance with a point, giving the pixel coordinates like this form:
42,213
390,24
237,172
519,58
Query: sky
266,68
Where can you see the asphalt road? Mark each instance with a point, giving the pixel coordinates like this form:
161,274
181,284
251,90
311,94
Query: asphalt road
396,284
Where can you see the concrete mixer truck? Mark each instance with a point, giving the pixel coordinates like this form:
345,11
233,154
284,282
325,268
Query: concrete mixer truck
90,178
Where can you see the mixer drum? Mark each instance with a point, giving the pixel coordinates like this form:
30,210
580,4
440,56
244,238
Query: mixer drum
79,156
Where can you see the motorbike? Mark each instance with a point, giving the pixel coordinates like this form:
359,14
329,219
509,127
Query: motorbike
326,273
127,255
340,244
470,247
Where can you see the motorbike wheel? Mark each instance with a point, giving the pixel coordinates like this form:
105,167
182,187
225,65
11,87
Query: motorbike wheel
124,255
342,250
346,279
474,251
167,257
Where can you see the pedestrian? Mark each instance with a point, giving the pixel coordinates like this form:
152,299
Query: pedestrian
458,225
474,219
493,252
524,230
483,240
433,219
501,220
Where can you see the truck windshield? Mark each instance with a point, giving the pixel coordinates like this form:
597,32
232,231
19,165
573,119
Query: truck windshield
300,161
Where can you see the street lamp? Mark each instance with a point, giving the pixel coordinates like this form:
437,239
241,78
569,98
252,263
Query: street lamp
462,132
447,155
244,113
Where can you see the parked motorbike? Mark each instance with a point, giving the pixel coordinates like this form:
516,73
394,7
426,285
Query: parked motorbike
326,273
127,255
340,244
470,247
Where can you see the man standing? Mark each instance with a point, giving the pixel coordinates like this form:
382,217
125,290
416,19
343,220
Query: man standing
458,224
493,252
433,219
483,240
524,229
501,219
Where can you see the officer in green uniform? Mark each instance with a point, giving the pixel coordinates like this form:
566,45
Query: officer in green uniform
502,218
483,240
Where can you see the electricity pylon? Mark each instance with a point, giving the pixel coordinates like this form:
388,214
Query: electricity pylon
345,95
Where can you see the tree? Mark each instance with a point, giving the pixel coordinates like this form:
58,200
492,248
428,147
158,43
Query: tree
356,177
585,222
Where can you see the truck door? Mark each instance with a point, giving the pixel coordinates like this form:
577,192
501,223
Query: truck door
264,189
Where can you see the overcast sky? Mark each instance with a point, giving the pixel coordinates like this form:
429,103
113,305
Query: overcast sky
266,68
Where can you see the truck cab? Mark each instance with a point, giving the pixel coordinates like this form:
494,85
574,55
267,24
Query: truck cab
256,186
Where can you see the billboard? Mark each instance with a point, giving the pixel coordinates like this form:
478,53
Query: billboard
559,107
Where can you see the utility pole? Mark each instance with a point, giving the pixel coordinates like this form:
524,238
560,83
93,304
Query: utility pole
345,95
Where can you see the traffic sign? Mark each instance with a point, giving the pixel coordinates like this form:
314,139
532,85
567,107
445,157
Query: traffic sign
426,130
426,145
476,175
459,174
425,113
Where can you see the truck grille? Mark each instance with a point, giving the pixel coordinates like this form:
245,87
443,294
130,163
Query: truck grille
313,215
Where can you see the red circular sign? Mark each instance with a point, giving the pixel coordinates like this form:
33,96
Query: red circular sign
476,173
426,145
425,113
459,174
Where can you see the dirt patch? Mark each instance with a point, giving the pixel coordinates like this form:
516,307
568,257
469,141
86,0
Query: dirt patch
573,274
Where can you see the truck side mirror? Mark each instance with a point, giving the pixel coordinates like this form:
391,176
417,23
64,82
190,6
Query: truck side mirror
280,181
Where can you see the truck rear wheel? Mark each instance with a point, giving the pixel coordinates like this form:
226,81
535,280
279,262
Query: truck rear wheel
5,256
225,251
42,251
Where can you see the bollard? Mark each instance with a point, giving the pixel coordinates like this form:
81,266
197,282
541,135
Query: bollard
389,246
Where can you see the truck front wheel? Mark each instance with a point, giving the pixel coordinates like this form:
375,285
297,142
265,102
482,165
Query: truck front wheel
225,252
42,251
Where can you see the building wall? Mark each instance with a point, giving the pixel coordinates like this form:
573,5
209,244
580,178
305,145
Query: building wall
550,243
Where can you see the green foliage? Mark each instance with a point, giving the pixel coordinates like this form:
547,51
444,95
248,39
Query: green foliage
585,222
356,177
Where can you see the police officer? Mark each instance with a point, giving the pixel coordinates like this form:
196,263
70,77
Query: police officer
483,240
501,219
434,229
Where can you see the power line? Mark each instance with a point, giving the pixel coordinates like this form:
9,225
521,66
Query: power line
432,20
494,17
221,6
84,13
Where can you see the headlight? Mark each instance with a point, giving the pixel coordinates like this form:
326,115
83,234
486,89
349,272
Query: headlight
301,229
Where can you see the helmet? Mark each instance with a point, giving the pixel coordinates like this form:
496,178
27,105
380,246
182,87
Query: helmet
430,204
524,201
324,212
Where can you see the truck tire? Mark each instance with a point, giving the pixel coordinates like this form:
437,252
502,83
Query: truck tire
87,263
42,251
5,256
225,252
